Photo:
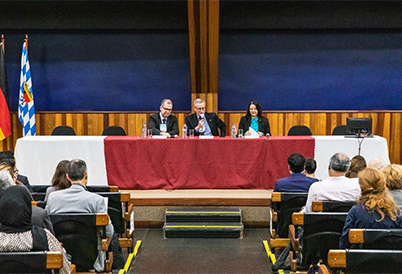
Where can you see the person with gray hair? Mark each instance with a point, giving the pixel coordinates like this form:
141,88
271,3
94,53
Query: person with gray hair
204,123
337,187
77,199
39,216
164,122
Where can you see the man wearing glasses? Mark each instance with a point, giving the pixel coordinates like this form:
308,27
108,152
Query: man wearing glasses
164,123
205,123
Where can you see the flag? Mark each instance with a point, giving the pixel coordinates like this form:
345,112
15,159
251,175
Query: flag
5,129
26,109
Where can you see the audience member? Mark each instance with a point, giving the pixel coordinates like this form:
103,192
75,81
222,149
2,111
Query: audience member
337,187
254,120
310,167
17,233
204,123
59,180
297,181
377,163
77,199
357,164
164,122
376,208
393,178
39,215
4,155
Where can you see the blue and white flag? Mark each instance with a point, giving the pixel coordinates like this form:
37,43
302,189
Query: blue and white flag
26,109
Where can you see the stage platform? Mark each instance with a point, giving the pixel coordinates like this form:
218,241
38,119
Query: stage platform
150,205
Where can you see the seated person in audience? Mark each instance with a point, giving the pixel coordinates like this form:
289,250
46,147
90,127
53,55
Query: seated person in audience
164,122
17,233
77,199
59,180
9,155
310,167
375,209
357,164
254,120
297,181
377,163
204,123
39,215
393,178
337,187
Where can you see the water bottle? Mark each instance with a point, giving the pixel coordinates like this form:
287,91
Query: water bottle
233,131
184,131
144,130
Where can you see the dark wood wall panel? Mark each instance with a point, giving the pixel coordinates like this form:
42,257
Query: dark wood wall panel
385,123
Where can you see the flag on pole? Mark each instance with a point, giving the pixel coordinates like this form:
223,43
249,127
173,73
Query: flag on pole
26,110
5,129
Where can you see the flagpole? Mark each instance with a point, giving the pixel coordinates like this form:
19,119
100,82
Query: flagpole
26,41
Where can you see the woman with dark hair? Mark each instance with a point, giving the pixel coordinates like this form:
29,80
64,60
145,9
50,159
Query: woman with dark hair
254,120
16,230
59,180
357,164
375,208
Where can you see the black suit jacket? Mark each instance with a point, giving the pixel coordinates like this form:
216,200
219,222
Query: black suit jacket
213,121
24,180
172,126
263,125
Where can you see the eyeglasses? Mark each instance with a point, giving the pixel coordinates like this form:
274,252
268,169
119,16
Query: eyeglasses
167,109
200,108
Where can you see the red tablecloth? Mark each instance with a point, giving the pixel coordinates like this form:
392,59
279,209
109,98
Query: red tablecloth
221,163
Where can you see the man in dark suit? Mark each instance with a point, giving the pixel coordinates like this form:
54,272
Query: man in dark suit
205,123
164,123
297,181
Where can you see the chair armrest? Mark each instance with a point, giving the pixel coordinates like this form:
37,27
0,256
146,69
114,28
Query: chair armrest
323,269
274,215
356,236
109,262
126,242
54,260
125,197
127,215
106,243
280,242
293,261
292,237
337,258
317,206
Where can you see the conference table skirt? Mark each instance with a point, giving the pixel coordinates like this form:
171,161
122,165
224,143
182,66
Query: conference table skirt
219,163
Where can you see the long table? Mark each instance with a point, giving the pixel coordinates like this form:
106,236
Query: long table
219,163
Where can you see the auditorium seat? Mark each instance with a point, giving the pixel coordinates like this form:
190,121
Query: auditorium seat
284,204
63,130
321,232
79,232
114,131
31,262
340,130
299,131
332,206
365,260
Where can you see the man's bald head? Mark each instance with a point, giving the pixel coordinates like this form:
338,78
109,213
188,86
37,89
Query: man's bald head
377,163
339,162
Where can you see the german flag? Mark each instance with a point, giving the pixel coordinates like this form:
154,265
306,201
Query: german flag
4,111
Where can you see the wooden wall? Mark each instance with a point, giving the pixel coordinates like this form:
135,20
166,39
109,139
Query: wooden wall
385,123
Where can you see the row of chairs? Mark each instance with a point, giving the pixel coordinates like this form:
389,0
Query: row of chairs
321,233
109,131
298,130
78,232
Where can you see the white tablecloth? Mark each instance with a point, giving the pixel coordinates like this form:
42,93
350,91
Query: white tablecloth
38,156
